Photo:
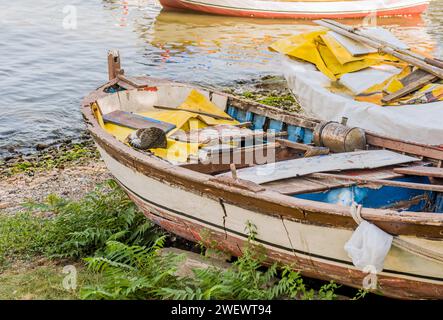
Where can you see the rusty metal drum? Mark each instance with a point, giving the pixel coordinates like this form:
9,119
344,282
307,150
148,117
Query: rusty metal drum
338,137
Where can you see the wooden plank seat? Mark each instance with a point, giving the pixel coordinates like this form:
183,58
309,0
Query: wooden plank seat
422,171
135,121
293,186
369,159
219,160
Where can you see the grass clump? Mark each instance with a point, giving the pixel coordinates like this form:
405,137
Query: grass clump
41,279
72,229
283,101
140,272
286,100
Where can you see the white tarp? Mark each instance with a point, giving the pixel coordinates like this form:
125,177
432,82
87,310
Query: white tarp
419,123
362,80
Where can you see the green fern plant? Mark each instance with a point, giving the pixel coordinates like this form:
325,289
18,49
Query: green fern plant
140,272
74,229
81,228
132,272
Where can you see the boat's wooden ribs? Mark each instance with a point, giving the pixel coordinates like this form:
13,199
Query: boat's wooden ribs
423,171
409,148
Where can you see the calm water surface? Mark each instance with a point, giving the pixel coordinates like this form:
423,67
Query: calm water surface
46,70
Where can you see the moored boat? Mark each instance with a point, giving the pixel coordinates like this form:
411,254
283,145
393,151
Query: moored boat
302,211
396,93
300,9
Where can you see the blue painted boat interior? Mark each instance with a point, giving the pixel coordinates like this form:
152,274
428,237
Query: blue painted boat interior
259,122
388,197
383,197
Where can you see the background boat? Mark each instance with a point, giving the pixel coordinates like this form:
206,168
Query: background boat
300,9
331,97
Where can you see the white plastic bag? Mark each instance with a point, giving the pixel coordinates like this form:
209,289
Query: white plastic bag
368,246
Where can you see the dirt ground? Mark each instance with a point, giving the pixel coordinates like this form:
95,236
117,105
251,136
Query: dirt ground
72,181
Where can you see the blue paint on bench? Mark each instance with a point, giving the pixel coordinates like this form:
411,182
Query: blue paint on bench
232,111
439,203
258,122
241,116
308,136
295,133
275,125
249,116
244,116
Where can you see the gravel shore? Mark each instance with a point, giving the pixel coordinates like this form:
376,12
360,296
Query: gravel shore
73,182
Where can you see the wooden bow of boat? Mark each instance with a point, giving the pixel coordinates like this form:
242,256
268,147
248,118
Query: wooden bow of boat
302,216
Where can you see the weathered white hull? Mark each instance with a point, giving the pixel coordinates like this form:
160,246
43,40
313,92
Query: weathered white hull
317,251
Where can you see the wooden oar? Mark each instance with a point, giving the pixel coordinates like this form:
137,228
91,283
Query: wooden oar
405,56
215,116
426,79
431,61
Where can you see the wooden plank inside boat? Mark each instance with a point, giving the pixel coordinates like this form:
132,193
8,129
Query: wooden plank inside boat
217,162
421,171
299,185
334,162
134,121
411,87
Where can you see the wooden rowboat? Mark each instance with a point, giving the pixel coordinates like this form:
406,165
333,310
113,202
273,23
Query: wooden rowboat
300,9
300,218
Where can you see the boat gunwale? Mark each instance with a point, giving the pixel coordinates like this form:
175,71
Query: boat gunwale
422,224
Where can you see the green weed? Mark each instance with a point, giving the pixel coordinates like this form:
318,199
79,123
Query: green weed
61,228
140,272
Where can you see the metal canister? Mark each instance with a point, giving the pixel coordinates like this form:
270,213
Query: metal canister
338,137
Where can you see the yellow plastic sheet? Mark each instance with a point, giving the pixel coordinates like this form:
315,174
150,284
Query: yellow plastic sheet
343,56
177,151
198,102
432,92
97,114
328,55
376,93
339,69
304,47
332,59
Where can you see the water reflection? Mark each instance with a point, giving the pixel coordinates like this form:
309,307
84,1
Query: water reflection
217,50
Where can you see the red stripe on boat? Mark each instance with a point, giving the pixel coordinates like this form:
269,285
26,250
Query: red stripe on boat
411,10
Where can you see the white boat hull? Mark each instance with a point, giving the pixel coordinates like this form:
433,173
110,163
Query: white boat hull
317,251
